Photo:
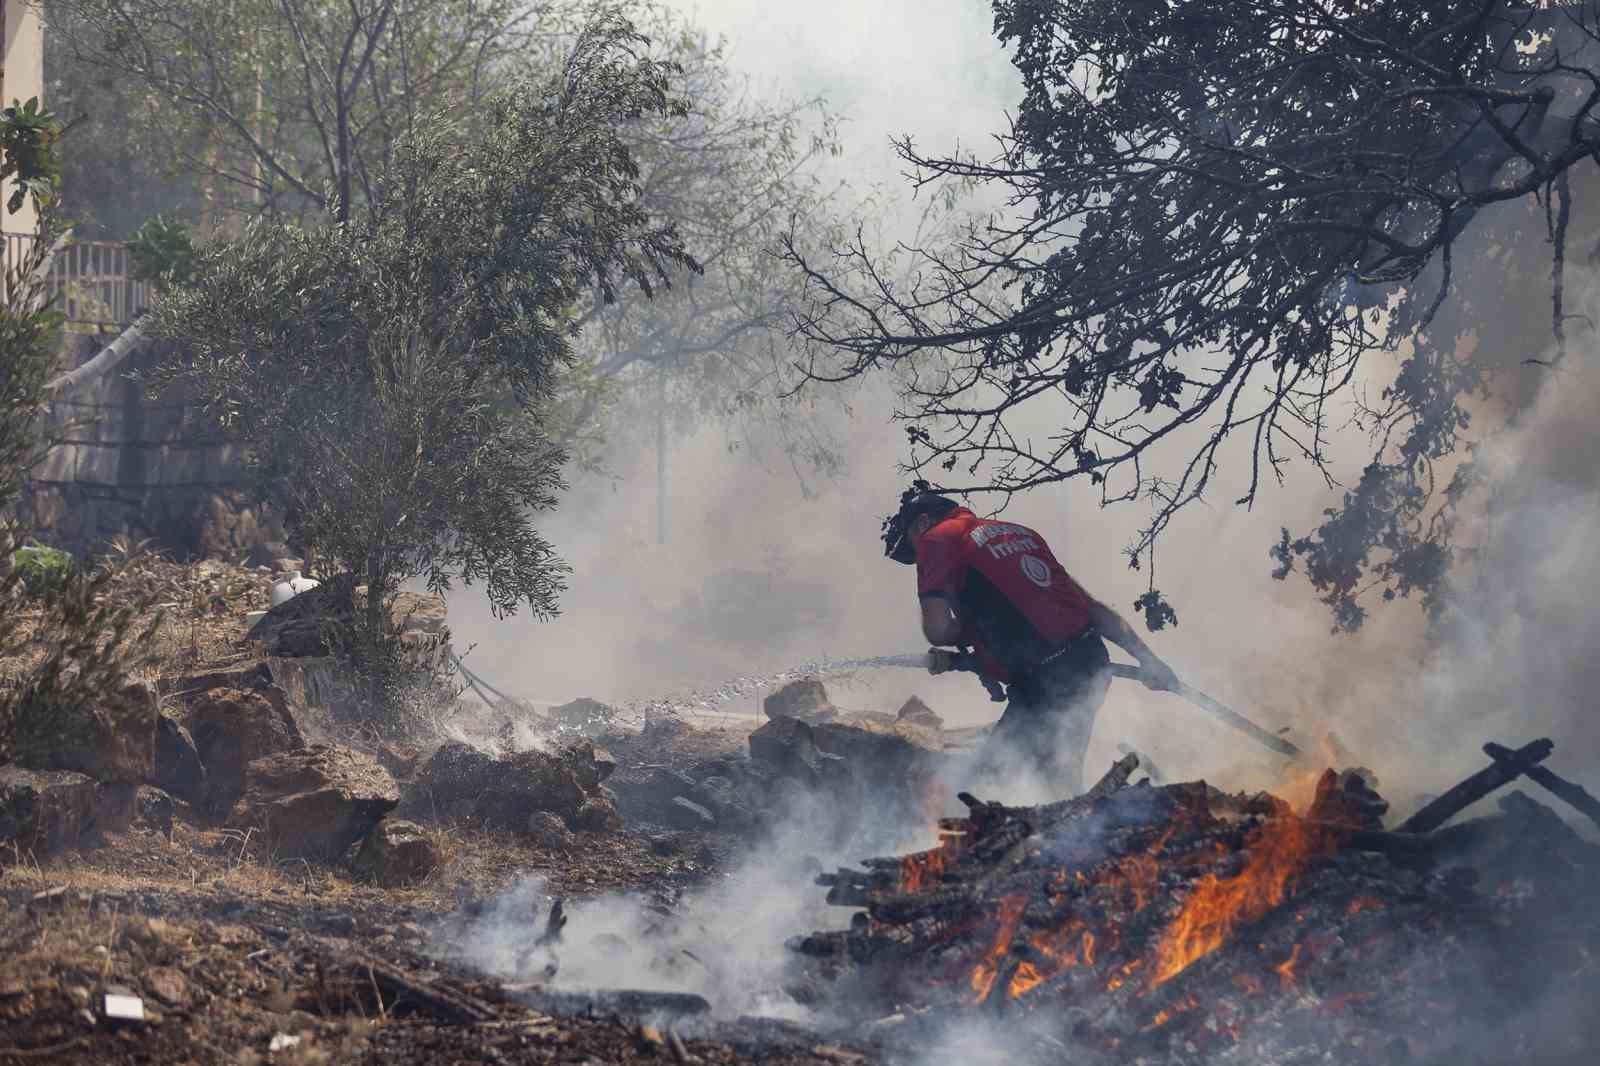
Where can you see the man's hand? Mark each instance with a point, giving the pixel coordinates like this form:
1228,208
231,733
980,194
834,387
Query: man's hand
1158,675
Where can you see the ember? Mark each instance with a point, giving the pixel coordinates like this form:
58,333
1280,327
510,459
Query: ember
1163,915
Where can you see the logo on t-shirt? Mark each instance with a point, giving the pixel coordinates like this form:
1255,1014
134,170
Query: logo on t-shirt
1036,570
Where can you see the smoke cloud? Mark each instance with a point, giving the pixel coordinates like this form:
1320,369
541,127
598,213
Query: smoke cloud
767,564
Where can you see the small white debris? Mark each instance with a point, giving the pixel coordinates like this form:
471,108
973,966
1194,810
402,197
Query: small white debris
124,1008
282,1042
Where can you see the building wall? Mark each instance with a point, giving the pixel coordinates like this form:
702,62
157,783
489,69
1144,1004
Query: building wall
21,79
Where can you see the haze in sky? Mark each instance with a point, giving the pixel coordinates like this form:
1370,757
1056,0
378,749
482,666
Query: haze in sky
928,68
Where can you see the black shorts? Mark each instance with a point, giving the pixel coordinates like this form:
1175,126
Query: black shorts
1067,676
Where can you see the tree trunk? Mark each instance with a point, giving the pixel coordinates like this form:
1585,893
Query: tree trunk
377,632
661,455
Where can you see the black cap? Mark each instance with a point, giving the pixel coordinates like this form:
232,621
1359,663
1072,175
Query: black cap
920,499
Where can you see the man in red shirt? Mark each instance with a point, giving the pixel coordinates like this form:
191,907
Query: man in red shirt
996,587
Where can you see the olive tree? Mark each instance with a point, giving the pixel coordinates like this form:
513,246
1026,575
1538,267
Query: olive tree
391,376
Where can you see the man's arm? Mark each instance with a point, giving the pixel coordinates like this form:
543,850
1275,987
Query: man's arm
1157,674
940,624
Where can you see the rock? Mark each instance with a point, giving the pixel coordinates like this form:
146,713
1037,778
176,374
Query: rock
179,769
663,726
684,813
414,612
232,728
919,713
503,791
419,620
399,759
397,853
597,814
789,746
805,699
589,764
721,797
256,676
167,985
887,756
153,809
44,811
584,716
643,790
298,627
549,831
296,638
315,802
114,808
113,741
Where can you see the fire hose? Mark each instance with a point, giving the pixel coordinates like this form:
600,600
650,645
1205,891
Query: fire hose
939,660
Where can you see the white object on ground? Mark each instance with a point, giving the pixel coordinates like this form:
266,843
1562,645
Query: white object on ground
291,586
124,1008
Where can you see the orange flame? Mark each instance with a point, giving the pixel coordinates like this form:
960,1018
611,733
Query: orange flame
1062,949
1363,903
1285,969
925,868
1124,971
1278,850
988,968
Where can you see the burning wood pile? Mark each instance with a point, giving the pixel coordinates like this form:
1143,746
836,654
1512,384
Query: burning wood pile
1182,924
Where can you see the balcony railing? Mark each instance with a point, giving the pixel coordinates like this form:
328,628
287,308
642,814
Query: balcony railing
90,281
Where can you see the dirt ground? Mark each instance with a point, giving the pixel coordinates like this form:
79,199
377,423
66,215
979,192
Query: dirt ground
230,950
239,957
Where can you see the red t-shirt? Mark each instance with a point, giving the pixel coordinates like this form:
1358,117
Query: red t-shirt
1016,603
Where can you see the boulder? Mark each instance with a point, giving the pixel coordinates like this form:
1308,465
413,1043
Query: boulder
789,746
549,831
297,627
44,811
918,713
399,759
153,810
643,790
597,814
805,699
881,755
397,853
721,796
662,726
583,716
503,791
423,612
233,728
251,676
179,769
316,801
589,764
114,741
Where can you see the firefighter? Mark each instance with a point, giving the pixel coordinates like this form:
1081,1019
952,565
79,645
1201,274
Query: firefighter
995,586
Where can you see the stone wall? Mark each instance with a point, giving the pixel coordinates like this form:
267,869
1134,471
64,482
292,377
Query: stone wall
132,464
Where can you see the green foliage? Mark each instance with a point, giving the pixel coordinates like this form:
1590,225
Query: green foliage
162,250
289,108
91,640
1158,613
42,569
82,644
391,376
28,135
